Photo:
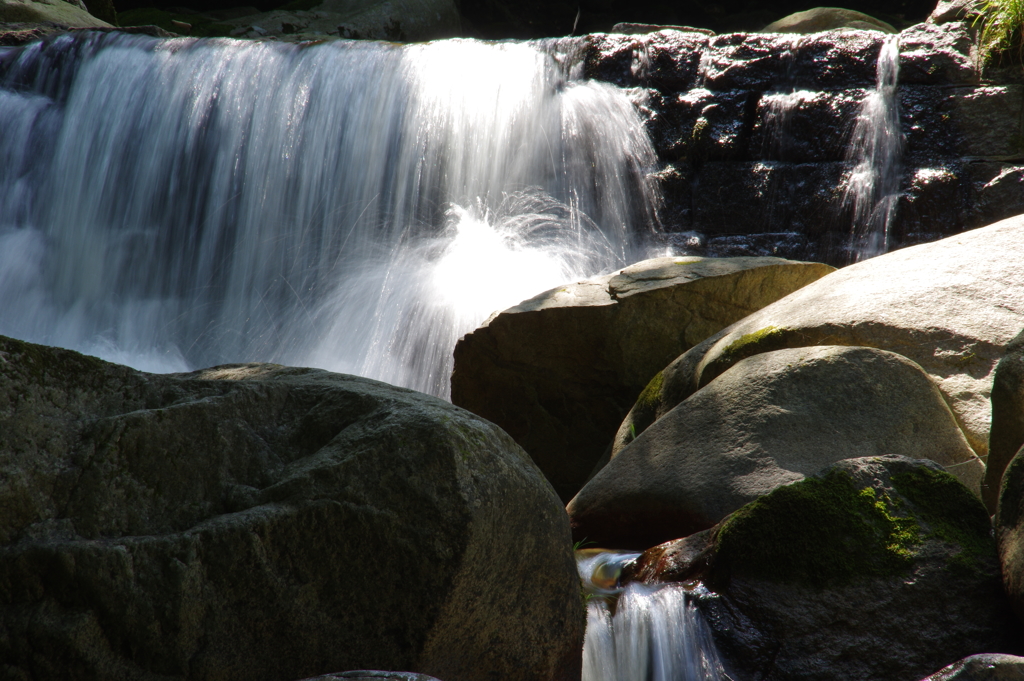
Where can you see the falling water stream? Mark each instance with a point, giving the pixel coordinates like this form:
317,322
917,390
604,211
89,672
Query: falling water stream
875,151
355,206
641,632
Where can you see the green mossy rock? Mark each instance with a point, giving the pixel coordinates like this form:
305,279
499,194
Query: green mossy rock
257,522
771,419
877,569
66,14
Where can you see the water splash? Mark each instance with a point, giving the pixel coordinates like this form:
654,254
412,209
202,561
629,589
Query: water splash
875,151
355,206
642,632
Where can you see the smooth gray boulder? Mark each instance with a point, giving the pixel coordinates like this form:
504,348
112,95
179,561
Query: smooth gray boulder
256,522
821,19
769,420
877,569
950,306
984,667
558,372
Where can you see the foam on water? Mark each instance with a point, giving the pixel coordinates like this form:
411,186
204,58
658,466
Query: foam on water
354,206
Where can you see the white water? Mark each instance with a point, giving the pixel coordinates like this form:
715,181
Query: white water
643,632
875,151
352,206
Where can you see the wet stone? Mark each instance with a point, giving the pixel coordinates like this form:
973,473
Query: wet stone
675,181
978,122
996,192
937,54
733,198
671,59
804,126
837,60
933,200
609,58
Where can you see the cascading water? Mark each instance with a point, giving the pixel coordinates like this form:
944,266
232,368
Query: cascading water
349,205
875,150
642,632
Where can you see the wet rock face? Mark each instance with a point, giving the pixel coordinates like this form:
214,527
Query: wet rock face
879,568
262,522
753,130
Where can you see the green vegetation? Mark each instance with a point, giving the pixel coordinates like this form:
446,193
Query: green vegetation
646,408
202,27
950,513
820,532
1002,30
753,343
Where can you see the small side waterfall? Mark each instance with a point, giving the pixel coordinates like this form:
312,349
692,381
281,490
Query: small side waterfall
642,632
875,150
349,205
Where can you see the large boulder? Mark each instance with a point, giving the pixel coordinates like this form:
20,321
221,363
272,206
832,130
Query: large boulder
263,522
1007,434
769,420
559,371
826,19
951,306
61,12
878,569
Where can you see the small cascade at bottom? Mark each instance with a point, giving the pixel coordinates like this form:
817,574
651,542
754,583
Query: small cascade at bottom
642,632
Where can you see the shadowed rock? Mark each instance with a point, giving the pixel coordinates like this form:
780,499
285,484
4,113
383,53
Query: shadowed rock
262,522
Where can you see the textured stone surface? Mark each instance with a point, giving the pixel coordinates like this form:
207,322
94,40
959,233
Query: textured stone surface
879,569
984,667
938,55
558,372
240,522
769,420
950,306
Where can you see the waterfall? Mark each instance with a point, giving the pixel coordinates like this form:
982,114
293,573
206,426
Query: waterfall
356,206
875,151
642,632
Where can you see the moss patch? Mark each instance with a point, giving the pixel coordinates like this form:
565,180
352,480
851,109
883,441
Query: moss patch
750,344
950,514
820,532
646,408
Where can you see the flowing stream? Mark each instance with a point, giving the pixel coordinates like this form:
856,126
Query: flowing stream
875,152
356,206
641,632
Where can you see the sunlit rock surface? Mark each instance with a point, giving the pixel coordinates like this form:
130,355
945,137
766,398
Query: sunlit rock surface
984,667
559,371
769,420
59,12
878,569
950,306
252,522
826,19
